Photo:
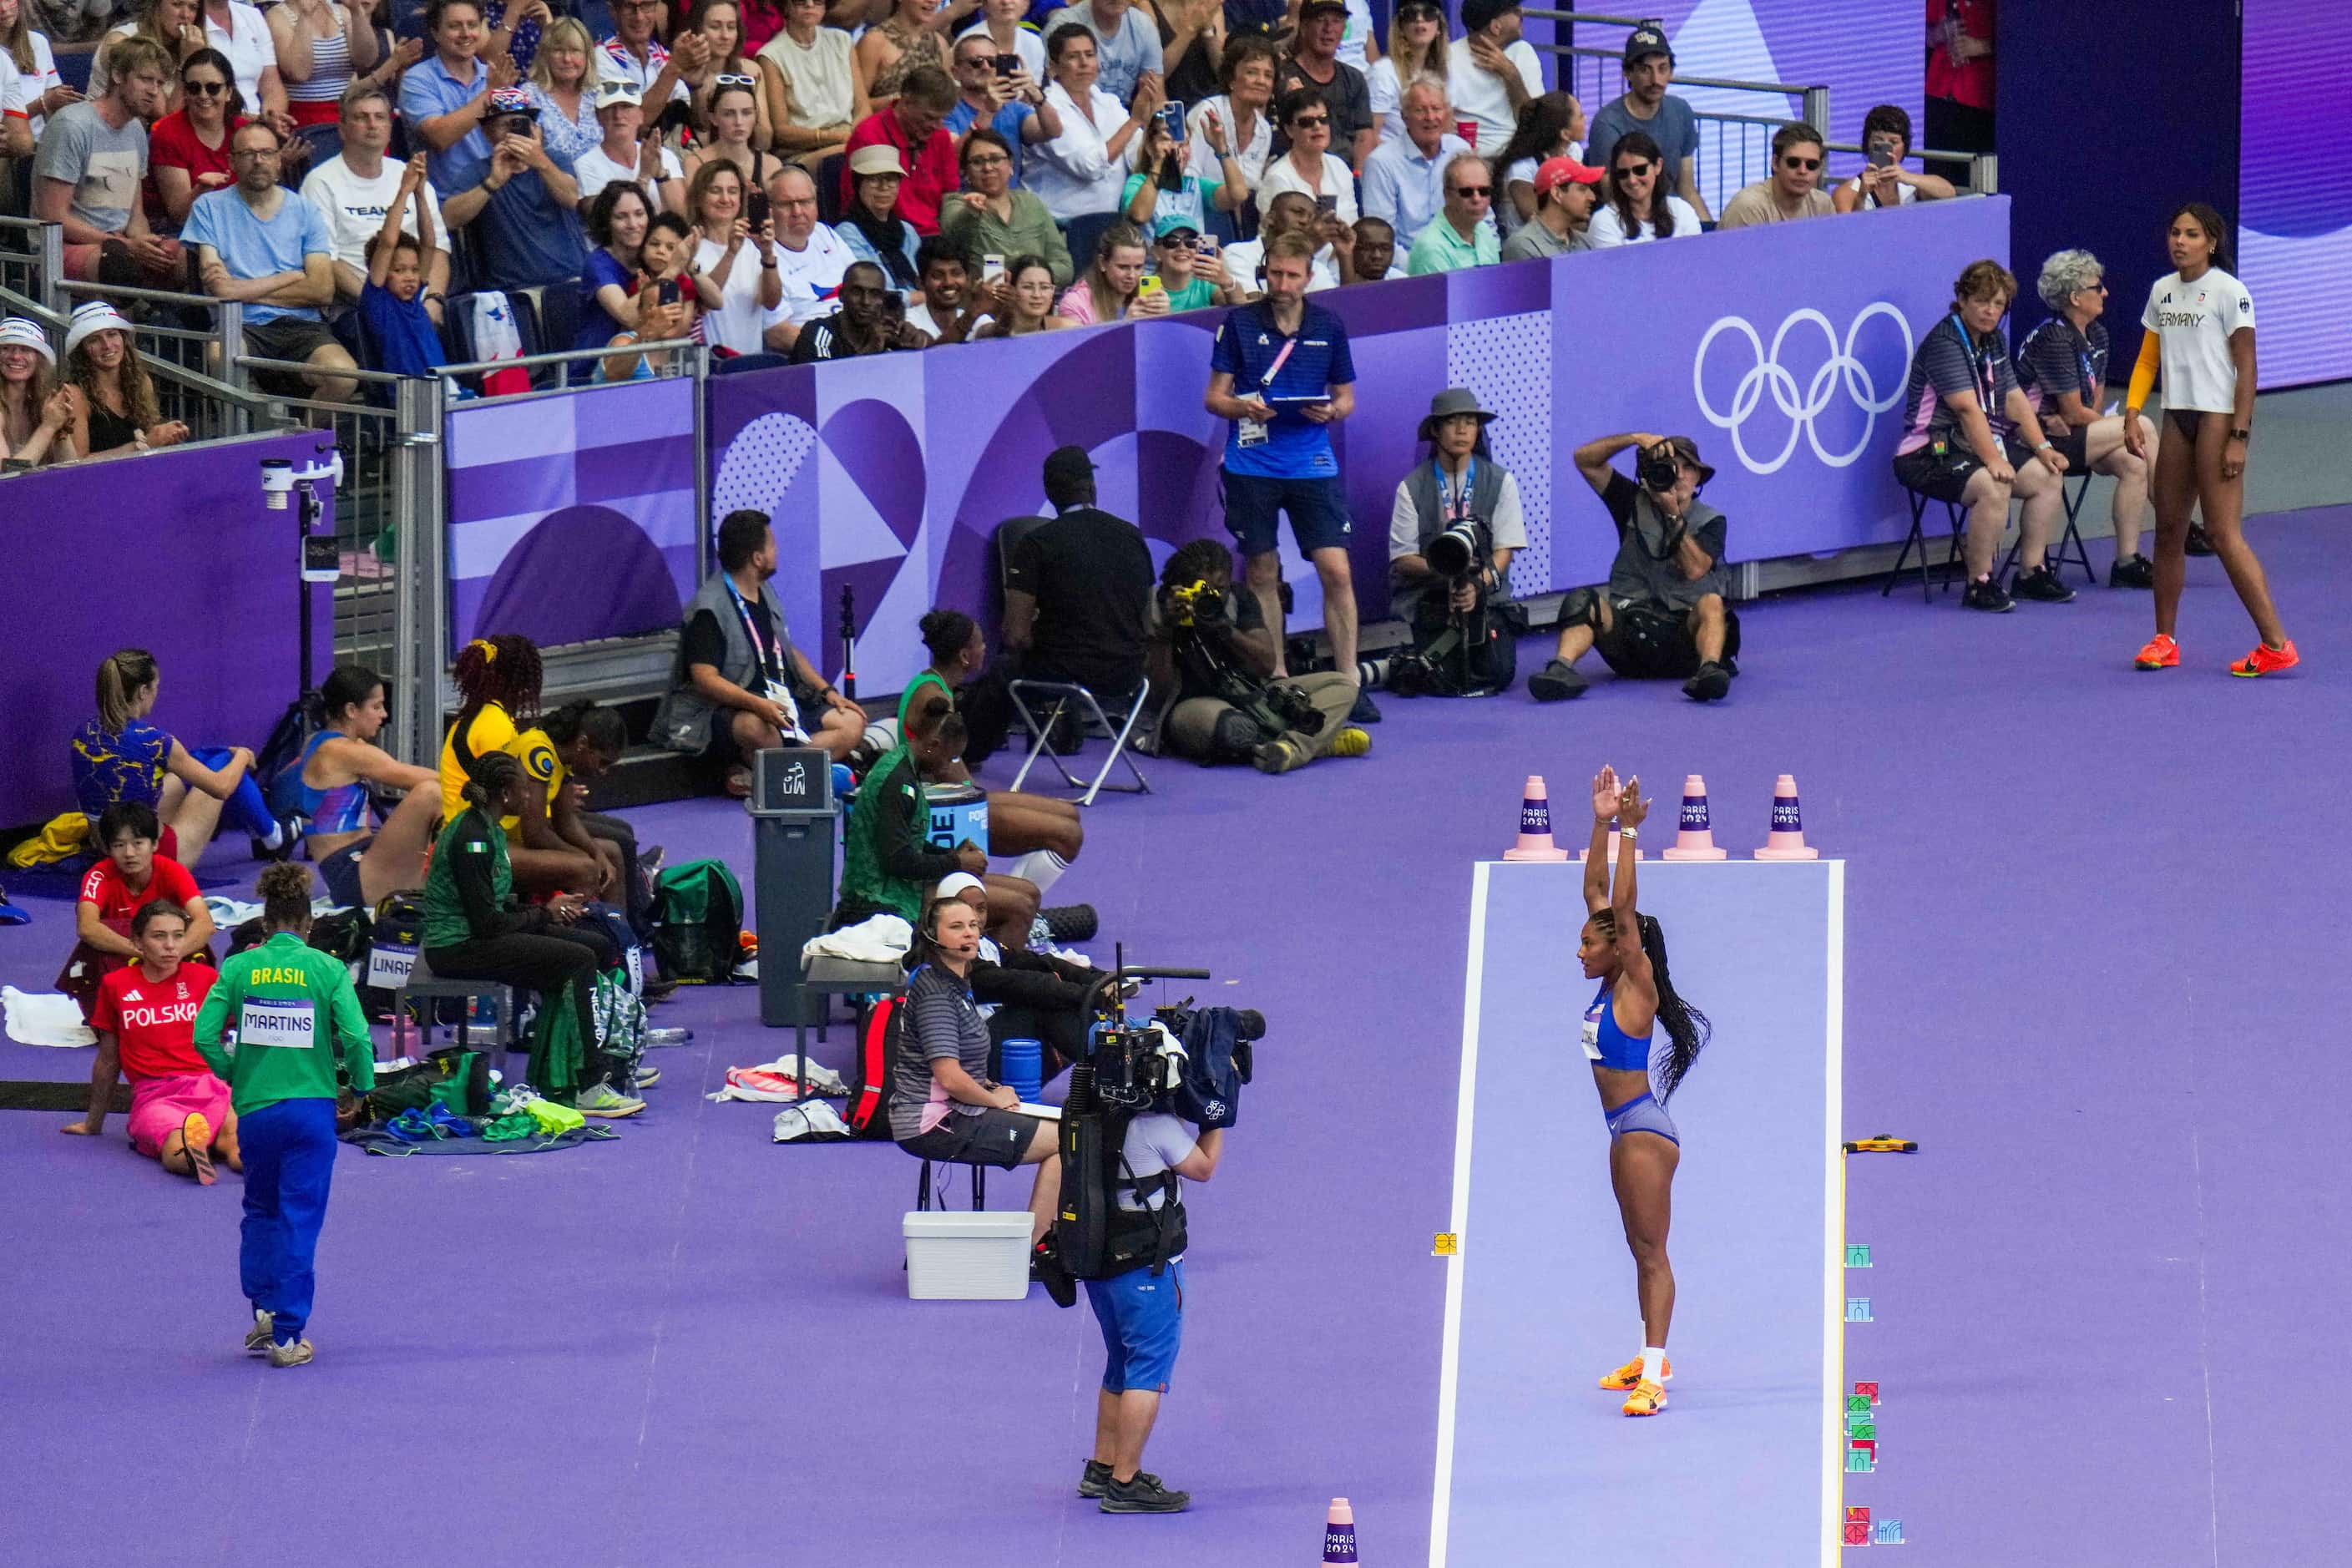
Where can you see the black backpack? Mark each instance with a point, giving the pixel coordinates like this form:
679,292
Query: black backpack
698,916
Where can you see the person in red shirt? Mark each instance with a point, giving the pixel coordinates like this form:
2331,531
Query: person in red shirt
1960,83
187,150
146,1023
133,874
915,124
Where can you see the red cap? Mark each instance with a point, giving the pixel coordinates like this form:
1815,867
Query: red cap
1557,172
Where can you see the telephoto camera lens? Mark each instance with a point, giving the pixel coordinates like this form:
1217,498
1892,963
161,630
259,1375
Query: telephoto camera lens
1454,553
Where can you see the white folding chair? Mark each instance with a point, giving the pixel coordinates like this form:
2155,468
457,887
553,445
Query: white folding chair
1056,697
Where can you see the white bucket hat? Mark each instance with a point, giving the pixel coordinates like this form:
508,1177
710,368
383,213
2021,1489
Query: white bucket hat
25,332
97,316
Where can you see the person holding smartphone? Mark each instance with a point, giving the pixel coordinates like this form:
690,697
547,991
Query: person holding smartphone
1163,191
1884,181
994,89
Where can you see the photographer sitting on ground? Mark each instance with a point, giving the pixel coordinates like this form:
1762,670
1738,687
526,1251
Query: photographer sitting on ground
943,1105
1661,614
1452,533
1211,653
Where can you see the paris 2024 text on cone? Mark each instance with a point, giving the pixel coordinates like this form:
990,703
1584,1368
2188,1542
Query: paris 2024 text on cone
1787,840
1694,837
1535,826
1339,1533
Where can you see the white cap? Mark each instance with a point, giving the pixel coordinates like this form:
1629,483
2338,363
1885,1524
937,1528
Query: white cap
956,882
97,316
26,332
618,90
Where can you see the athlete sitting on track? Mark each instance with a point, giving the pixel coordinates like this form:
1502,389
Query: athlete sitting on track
146,1023
1626,951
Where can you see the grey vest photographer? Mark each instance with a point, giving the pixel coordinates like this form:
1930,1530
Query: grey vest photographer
1453,530
1211,652
1663,614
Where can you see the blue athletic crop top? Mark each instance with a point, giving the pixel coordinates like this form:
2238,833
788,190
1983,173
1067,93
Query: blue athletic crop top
341,809
1609,1046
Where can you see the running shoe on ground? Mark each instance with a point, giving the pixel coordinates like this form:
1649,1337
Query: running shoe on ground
1647,1399
2042,586
2132,571
298,1354
196,1138
2267,660
1557,681
1351,742
2162,653
739,782
1984,593
1630,1375
645,1078
603,1100
2200,542
1365,711
1142,1494
258,1338
1711,684
1096,1478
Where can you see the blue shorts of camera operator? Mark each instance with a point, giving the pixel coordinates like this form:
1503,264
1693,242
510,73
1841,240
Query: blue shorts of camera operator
1318,509
1142,1318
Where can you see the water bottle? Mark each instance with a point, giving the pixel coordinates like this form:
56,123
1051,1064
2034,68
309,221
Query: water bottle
1023,1065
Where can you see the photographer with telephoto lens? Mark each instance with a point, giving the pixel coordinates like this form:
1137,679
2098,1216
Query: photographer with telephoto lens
1452,533
1661,616
1211,652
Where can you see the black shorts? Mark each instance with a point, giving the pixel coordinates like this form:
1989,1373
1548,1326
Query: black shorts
1655,642
341,873
1945,477
2076,447
997,1138
287,337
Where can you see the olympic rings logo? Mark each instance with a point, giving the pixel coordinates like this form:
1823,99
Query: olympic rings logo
1840,368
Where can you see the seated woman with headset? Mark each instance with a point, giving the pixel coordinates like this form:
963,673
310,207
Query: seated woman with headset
943,1105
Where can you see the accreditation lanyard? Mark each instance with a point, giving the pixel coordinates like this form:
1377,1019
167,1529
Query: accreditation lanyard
1457,507
1981,366
768,671
1266,381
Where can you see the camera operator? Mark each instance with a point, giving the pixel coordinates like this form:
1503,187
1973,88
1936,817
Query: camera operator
1452,533
943,1104
1141,1311
1213,653
1662,614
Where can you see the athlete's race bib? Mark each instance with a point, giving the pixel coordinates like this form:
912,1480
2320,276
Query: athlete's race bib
272,1021
389,965
1591,1033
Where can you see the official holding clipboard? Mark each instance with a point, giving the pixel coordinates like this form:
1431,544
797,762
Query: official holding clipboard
1281,376
294,1017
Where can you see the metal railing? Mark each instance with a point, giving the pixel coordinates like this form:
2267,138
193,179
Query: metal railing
32,259
1984,168
1734,143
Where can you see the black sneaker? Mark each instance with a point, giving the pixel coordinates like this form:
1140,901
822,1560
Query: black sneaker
2198,543
1365,711
1984,593
2132,572
1557,681
2042,586
1045,1268
1095,1479
1142,1494
1711,684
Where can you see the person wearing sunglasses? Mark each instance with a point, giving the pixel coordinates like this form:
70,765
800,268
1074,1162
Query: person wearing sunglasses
1638,210
1416,51
1463,234
994,89
633,55
1791,190
1315,64
2062,366
1309,168
187,150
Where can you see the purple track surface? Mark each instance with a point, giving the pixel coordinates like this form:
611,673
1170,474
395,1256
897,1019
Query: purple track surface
2093,950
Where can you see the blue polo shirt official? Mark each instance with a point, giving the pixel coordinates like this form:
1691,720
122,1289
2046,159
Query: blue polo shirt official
1247,347
427,90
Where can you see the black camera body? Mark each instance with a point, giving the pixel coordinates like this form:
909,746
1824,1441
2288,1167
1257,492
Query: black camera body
1187,604
1458,550
1659,468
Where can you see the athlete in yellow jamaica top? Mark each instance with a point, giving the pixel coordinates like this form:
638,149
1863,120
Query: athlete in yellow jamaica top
557,847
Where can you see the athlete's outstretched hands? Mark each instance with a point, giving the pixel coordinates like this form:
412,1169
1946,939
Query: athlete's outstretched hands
1605,794
1632,807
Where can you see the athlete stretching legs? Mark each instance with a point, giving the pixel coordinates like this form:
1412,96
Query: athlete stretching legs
1626,951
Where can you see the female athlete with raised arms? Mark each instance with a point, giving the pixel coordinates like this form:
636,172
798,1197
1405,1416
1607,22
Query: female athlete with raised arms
1626,951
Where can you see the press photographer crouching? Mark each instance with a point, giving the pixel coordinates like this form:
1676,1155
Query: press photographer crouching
1452,533
943,1105
1211,652
1661,616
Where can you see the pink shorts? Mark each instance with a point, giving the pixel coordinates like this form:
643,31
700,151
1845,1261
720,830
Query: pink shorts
160,1105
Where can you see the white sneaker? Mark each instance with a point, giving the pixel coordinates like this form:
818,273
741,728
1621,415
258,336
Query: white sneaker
603,1099
645,1078
298,1354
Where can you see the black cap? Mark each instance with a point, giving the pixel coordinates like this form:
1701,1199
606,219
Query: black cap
1065,463
1312,6
1476,13
1644,42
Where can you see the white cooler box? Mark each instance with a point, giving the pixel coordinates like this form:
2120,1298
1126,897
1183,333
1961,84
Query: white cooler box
967,1256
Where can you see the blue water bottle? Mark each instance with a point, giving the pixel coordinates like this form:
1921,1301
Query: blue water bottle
1022,1065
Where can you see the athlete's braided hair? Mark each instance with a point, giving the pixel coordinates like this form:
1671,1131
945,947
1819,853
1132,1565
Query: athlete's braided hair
1687,1029
504,670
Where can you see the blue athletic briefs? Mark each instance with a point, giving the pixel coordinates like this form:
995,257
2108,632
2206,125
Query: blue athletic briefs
1247,344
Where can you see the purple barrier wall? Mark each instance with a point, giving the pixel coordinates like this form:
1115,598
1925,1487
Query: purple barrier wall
1782,351
572,516
172,553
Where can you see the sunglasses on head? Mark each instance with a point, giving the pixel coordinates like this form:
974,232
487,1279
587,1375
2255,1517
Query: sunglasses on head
732,80
1793,162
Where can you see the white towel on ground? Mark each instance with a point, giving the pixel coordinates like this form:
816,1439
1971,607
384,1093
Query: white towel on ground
879,939
48,1019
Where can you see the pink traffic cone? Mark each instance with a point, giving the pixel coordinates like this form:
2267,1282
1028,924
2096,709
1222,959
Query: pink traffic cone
1695,839
1534,828
1340,1530
1787,840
